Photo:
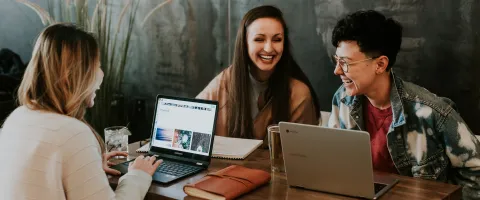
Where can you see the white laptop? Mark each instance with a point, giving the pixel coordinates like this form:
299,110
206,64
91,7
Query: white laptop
330,160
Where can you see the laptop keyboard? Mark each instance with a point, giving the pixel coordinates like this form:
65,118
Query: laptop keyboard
176,169
378,187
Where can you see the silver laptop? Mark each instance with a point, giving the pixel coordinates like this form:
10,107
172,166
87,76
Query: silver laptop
330,160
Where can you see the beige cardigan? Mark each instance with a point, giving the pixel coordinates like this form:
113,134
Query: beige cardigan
52,156
302,109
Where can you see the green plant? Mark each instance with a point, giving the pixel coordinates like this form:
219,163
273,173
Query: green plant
114,43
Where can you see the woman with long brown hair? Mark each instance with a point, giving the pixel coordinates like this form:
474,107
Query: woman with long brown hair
49,151
264,85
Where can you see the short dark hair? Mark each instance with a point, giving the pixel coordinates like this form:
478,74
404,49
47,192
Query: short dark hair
375,34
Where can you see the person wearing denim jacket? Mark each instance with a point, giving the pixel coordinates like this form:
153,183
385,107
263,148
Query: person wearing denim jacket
427,138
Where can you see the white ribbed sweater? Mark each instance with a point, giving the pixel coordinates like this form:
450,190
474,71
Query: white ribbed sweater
51,156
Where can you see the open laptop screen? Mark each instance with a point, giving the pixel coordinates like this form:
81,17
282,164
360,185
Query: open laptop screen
184,126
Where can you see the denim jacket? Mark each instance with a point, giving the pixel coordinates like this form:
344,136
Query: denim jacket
427,138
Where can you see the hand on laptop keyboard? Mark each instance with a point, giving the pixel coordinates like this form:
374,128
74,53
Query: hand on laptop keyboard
146,164
177,169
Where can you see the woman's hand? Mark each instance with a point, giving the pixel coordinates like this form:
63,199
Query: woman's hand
107,164
146,164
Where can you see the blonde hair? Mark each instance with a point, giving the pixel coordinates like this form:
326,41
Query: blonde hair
60,77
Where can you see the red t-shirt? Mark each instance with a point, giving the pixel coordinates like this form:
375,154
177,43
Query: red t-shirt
377,123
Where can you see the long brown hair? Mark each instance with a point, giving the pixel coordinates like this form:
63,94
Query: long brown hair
240,122
60,77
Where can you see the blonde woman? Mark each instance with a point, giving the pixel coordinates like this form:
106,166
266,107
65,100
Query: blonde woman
47,148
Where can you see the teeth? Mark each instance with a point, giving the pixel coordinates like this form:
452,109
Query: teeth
266,57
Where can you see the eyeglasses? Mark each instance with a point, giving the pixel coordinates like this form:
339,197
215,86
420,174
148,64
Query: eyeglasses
345,65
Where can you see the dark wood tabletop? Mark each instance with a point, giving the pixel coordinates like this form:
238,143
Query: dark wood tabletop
407,188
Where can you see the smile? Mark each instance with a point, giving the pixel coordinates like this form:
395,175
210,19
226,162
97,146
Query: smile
266,58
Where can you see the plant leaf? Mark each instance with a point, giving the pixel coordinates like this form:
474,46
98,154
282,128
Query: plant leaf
81,9
42,14
94,16
124,10
126,46
149,15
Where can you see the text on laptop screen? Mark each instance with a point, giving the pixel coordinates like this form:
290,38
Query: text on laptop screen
184,126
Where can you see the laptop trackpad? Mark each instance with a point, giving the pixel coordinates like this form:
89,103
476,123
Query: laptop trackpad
162,177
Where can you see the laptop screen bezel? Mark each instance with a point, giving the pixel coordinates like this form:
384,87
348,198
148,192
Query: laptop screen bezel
181,155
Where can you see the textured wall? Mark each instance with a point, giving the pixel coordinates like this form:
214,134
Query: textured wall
184,45
189,41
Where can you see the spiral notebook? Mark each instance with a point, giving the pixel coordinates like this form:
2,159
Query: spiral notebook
225,147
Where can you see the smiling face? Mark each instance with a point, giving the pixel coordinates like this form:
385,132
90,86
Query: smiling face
265,44
361,75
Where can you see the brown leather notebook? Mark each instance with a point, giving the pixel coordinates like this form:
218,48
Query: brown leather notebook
228,183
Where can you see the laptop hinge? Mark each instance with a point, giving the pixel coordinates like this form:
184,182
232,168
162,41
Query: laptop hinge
179,159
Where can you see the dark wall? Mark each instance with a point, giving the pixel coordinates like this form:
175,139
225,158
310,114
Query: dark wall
188,42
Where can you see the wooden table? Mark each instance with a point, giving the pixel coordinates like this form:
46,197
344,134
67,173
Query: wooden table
407,188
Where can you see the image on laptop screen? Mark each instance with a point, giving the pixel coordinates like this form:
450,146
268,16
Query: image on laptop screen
184,126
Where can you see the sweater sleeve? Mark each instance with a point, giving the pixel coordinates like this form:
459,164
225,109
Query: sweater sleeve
83,176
